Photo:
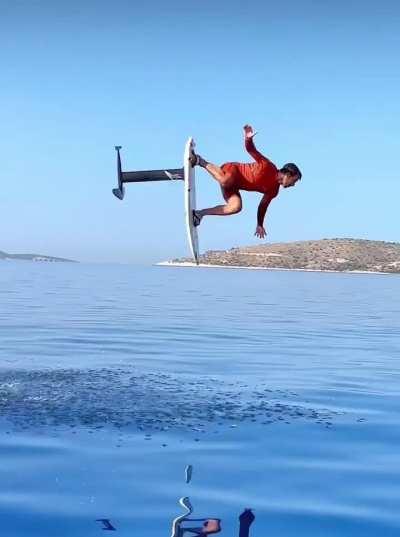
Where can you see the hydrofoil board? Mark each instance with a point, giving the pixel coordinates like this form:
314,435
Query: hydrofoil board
190,200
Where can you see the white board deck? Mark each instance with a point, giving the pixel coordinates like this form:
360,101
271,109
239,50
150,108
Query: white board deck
190,200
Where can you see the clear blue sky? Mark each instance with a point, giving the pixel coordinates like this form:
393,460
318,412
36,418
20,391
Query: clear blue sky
320,81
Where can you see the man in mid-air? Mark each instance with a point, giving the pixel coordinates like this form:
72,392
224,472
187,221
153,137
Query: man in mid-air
259,176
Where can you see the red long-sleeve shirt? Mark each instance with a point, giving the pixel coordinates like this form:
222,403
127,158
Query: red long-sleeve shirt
260,176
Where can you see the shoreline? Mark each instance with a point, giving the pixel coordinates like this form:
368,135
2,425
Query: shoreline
209,265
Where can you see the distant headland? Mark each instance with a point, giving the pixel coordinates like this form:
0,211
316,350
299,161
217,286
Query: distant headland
333,255
33,257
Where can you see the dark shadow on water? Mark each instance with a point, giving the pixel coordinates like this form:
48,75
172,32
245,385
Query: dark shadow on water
95,398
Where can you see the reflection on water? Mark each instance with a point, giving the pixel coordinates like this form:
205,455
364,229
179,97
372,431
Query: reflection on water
188,473
106,524
183,524
209,525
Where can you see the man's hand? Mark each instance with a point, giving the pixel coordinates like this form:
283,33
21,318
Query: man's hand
249,132
260,232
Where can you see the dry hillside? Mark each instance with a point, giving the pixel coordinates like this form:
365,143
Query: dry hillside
325,254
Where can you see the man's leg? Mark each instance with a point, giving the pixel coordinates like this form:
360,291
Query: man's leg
233,205
225,177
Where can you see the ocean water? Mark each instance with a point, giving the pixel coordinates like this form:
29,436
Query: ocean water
280,389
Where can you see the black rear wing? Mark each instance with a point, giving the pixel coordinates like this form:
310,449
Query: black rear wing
170,174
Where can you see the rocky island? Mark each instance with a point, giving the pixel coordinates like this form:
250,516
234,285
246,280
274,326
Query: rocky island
33,257
339,255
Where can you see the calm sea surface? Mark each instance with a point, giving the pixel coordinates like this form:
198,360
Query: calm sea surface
281,389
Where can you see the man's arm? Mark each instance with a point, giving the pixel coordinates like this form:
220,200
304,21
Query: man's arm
249,134
262,209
